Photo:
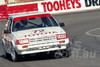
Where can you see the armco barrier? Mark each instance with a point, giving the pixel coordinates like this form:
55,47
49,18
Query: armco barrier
51,6
3,12
19,8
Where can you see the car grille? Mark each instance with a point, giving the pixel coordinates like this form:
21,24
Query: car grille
45,38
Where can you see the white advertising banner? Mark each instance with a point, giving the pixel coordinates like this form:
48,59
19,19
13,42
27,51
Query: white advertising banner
59,6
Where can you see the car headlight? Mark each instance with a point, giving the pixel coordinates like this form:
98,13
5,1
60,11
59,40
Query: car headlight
22,41
61,36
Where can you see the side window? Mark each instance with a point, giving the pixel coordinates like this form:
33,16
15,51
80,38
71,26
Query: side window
8,25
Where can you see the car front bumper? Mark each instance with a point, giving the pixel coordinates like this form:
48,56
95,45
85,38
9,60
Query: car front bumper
42,49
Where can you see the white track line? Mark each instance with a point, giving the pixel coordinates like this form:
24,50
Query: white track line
89,32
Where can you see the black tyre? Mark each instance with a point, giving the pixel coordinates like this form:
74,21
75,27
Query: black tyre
6,55
68,51
57,54
14,56
62,54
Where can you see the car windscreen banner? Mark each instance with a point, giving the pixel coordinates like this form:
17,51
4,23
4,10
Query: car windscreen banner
50,6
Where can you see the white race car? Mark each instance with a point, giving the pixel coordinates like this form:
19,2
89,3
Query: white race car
31,33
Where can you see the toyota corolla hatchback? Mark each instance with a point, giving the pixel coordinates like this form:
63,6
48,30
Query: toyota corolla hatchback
32,33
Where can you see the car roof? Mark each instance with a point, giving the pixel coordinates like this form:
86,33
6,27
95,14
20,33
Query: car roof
26,14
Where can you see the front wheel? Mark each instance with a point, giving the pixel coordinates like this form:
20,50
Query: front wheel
68,51
59,54
14,56
6,55
62,54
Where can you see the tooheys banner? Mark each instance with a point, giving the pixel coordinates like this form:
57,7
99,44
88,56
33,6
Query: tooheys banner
50,6
90,3
59,6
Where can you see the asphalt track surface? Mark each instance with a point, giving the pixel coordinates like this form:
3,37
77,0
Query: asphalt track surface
83,30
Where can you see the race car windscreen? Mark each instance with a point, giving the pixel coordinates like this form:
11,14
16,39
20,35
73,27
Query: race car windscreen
34,22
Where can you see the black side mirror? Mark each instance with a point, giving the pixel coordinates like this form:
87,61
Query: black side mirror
61,24
7,32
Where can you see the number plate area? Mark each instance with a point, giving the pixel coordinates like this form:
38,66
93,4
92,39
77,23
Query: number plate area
42,47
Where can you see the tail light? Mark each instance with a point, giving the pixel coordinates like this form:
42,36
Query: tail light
61,36
22,41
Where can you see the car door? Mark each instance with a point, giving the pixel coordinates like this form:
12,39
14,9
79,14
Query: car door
7,34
